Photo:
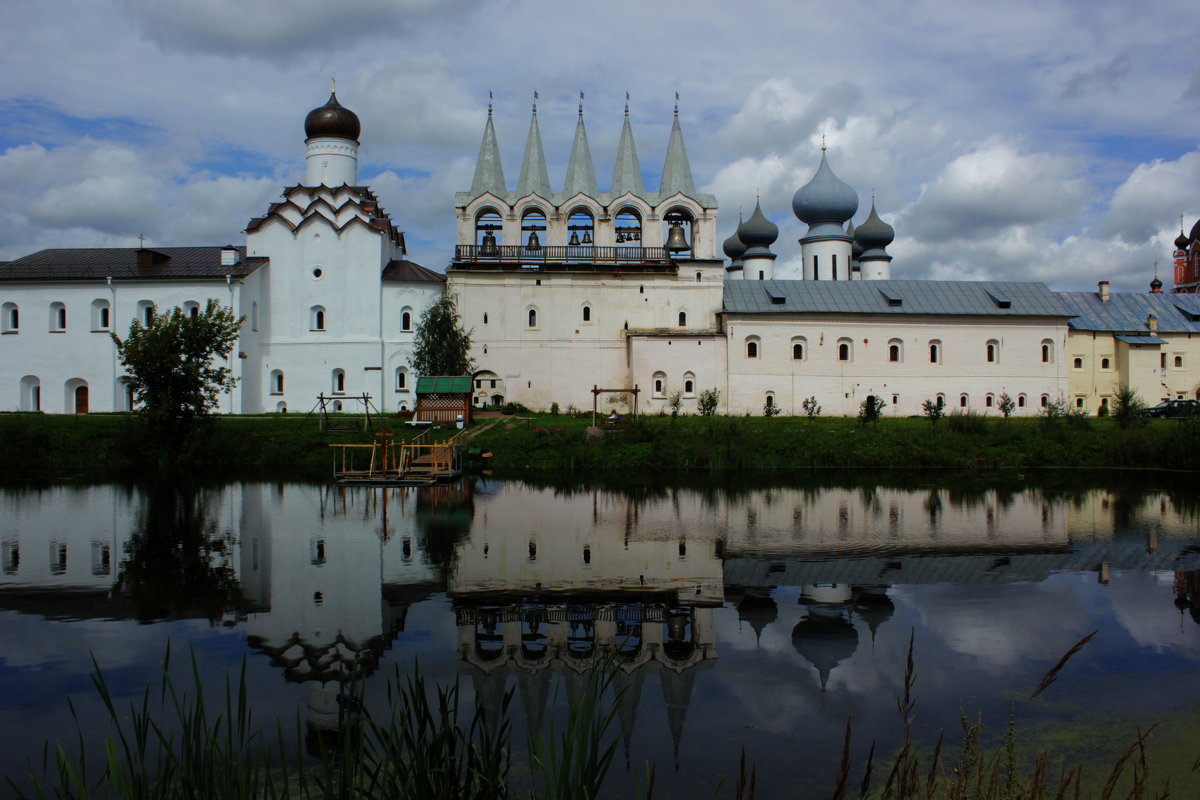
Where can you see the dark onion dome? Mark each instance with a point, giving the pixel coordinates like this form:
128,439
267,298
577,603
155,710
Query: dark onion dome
332,119
1156,285
734,246
856,249
825,198
758,231
874,233
1182,241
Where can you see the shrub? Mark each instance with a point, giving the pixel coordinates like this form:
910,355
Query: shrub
674,403
811,409
554,409
770,409
707,404
1129,410
933,411
870,409
968,422
1007,405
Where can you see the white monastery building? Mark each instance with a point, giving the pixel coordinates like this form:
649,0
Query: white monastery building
567,291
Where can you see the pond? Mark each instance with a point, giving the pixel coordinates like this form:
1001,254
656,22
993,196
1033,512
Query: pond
743,616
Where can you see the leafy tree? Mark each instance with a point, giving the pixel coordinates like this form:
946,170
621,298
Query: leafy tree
811,408
770,409
933,410
708,402
675,402
870,410
1007,404
1129,410
175,367
442,347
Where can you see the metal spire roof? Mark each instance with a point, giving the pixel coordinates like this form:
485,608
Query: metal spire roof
534,177
627,173
581,175
677,172
489,172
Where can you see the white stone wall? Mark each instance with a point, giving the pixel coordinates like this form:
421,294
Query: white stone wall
1098,364
59,358
841,386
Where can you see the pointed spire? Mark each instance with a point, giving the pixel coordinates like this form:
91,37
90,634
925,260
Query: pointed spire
489,172
581,175
627,173
677,172
534,177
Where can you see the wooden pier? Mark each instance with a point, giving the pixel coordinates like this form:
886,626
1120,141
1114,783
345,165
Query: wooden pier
386,462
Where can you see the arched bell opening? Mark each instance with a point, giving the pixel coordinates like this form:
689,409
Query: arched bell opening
628,228
679,634
581,633
533,229
534,641
489,643
628,633
679,231
581,233
488,227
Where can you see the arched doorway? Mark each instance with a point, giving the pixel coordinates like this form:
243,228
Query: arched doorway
488,389
80,399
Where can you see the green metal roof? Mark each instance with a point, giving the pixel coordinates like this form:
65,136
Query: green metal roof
444,384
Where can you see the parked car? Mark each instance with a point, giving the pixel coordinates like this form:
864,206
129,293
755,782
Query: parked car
1175,408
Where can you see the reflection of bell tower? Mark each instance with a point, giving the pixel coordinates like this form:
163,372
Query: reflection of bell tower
826,636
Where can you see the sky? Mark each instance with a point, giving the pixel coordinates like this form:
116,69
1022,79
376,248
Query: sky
1044,140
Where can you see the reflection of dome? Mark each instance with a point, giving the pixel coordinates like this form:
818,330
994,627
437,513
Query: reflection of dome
825,639
758,610
873,606
332,119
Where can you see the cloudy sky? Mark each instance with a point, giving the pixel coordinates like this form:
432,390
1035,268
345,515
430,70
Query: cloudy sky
1048,140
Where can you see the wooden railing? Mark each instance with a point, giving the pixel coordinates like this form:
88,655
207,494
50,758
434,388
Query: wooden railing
558,254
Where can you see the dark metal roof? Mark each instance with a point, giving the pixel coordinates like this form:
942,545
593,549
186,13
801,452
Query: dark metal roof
1131,339
1127,312
121,263
410,271
980,298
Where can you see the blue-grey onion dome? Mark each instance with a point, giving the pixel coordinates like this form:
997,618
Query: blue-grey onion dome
856,249
758,231
332,119
825,198
734,247
1182,241
874,233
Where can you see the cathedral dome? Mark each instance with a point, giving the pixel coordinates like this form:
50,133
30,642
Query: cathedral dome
856,249
825,198
332,119
734,247
874,233
758,231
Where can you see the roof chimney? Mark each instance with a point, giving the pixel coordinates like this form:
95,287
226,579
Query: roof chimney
1152,322
1105,295
229,255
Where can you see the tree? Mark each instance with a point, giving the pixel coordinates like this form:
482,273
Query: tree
870,409
812,409
1129,410
933,410
675,402
1006,405
707,404
442,346
174,366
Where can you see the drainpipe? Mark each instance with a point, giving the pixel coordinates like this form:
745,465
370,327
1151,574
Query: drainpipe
112,316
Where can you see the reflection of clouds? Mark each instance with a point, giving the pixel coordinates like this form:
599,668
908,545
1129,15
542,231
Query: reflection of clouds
1143,605
32,643
1000,626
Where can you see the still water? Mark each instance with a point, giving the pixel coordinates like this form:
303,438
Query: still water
756,617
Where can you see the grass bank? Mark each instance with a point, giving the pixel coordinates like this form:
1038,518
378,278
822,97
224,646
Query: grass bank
295,447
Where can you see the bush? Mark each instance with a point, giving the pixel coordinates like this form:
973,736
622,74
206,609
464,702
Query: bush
674,403
1128,410
933,411
513,408
707,404
770,409
811,409
968,422
554,409
1007,405
870,409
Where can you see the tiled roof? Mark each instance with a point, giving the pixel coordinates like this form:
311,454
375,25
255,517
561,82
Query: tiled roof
978,298
1127,312
121,263
410,271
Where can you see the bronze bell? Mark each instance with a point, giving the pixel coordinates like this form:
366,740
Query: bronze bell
676,241
488,248
620,237
587,237
534,243
574,240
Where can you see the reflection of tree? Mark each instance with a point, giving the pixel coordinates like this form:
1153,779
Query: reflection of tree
177,562
443,520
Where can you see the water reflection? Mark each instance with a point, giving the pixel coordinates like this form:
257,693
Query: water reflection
768,609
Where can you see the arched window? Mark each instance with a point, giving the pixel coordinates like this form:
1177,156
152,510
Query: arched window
485,318
31,393
963,401
1047,351
533,318
406,320
845,350
401,379
895,351
1178,362
1104,363
1021,401
276,381
533,228
660,384
488,227
145,312
77,401
799,345
689,384
993,351
191,308
316,318
770,401
10,318
581,232
1045,400
941,401
254,315
698,276
1077,363
682,319
587,313
58,317
989,401
339,381
101,315
935,351
752,343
